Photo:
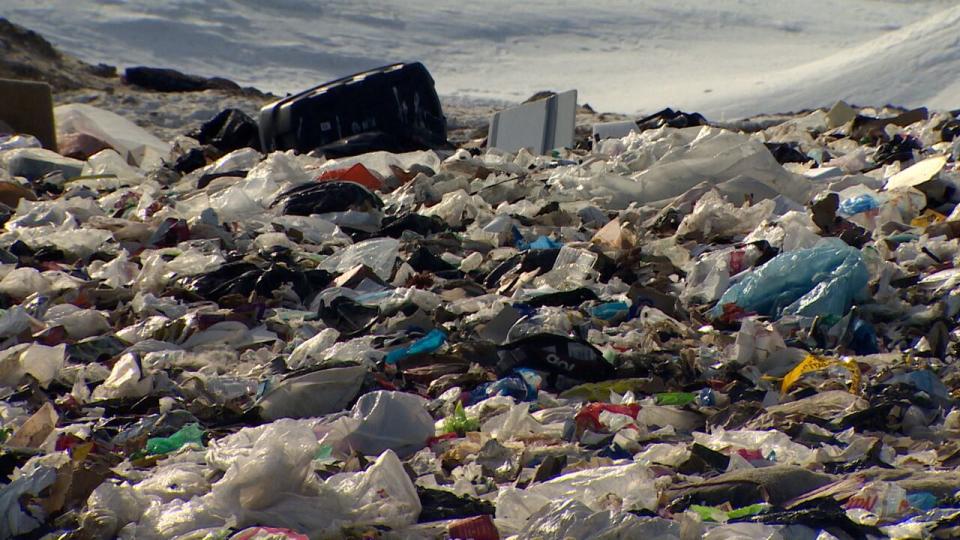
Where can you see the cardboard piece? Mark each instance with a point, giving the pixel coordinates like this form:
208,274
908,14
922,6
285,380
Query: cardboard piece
840,114
538,126
916,174
27,107
613,130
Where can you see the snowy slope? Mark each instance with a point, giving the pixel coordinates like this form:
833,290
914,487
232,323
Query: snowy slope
916,65
722,57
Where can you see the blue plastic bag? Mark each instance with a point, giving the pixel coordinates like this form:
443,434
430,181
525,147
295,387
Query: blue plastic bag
859,204
822,280
542,242
427,344
610,310
522,384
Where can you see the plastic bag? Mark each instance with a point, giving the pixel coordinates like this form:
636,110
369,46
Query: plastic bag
772,445
126,380
41,362
189,434
709,276
884,499
459,423
22,282
522,385
823,280
312,394
270,479
34,477
712,216
561,520
672,161
590,416
379,254
516,422
427,344
816,363
383,494
137,145
109,162
631,484
384,420
304,353
13,321
79,323
175,480
109,508
458,207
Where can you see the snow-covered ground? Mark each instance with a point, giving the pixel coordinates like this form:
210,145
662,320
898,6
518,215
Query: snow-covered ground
725,58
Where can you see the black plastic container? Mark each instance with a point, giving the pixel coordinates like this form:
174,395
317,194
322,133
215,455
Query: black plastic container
398,103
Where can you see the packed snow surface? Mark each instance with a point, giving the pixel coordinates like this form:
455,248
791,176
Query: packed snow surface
725,58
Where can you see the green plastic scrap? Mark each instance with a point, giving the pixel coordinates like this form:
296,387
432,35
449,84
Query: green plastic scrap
459,423
324,454
747,511
191,433
675,398
712,513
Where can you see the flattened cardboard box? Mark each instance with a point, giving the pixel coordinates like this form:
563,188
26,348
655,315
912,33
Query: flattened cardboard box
27,107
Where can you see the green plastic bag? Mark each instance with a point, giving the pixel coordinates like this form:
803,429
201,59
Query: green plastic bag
712,513
675,398
191,433
459,423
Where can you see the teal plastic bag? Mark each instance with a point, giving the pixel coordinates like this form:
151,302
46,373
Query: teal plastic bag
822,280
427,344
191,433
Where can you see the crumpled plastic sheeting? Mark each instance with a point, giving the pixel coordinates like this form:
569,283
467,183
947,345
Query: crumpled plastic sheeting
269,479
779,444
573,519
671,162
36,475
123,135
713,216
379,254
39,361
383,420
823,280
632,483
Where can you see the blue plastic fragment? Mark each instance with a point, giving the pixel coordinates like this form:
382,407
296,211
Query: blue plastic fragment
822,280
542,242
922,500
522,384
610,310
857,205
427,344
864,338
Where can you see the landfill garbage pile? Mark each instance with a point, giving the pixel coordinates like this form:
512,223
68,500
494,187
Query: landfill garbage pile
685,332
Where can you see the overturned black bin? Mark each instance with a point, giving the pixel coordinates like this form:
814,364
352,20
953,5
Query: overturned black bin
392,108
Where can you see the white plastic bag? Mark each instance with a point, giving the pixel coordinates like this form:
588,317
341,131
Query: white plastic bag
306,351
126,380
378,253
391,420
631,483
312,394
135,143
